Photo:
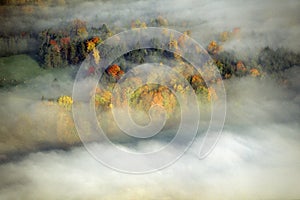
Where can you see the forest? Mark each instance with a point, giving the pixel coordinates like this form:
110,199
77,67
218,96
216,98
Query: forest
70,44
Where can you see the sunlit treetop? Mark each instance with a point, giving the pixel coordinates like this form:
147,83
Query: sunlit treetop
213,47
65,101
255,72
90,45
115,71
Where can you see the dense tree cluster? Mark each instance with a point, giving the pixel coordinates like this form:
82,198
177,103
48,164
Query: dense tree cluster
150,94
277,60
268,61
70,45
226,61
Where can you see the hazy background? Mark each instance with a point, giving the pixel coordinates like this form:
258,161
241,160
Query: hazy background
257,156
270,22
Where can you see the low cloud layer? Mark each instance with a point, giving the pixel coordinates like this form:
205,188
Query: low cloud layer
256,164
256,157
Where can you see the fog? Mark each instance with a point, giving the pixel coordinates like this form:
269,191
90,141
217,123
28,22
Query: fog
250,167
270,22
257,156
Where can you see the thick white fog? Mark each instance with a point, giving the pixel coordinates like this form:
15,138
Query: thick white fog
248,165
257,156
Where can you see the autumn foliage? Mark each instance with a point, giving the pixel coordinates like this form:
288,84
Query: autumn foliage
114,71
76,47
213,47
254,72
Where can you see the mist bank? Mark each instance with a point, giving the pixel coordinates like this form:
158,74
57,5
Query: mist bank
252,163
